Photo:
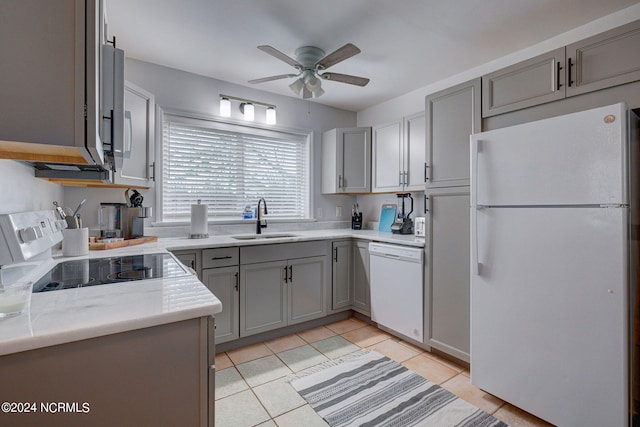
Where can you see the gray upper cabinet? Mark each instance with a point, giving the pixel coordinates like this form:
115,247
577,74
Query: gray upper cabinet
387,161
599,62
50,78
398,155
346,160
451,116
532,82
605,60
414,148
137,168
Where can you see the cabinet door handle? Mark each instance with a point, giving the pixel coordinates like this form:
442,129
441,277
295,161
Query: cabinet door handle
426,172
569,69
558,70
291,274
339,181
193,264
237,280
400,178
335,254
286,277
152,166
405,181
426,204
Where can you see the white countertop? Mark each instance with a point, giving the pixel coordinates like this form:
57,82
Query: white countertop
75,314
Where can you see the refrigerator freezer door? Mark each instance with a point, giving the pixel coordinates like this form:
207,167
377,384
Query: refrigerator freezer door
548,313
576,159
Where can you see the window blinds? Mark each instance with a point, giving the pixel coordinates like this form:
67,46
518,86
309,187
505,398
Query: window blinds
229,166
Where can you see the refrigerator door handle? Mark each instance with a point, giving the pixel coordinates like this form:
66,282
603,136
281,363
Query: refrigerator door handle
475,270
474,148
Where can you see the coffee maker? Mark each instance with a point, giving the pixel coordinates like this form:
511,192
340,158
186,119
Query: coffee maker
119,220
403,224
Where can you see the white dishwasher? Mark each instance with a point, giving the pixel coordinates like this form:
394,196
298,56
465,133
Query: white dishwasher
396,280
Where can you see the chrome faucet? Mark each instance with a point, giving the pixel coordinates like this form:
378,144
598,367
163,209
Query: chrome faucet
259,224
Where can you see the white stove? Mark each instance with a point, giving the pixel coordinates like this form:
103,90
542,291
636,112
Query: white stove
28,235
26,241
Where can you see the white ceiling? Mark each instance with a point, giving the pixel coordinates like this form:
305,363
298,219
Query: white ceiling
406,44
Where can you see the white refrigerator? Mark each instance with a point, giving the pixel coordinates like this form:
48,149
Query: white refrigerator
552,270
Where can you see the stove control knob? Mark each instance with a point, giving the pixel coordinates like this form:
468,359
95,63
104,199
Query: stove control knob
28,234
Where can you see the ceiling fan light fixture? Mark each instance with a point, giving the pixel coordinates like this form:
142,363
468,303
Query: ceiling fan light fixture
313,83
225,107
297,85
317,93
271,116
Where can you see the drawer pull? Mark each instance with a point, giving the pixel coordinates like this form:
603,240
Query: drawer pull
218,258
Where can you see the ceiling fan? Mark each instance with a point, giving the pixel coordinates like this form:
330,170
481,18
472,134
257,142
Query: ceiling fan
311,62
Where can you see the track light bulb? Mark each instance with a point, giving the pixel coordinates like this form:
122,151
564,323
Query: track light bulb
225,107
271,116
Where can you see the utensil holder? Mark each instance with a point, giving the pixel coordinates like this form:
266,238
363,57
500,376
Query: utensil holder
75,241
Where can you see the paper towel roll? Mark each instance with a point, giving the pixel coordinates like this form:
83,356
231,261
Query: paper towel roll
199,219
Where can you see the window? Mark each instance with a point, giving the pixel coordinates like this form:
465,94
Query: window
228,166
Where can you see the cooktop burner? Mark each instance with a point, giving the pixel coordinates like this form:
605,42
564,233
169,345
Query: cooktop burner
101,271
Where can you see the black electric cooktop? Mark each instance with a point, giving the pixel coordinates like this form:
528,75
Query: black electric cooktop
101,271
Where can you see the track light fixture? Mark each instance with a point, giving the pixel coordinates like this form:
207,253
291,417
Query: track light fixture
247,108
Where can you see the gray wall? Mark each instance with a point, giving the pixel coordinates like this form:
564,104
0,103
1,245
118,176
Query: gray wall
186,91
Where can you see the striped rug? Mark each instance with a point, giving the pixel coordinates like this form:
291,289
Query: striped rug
373,390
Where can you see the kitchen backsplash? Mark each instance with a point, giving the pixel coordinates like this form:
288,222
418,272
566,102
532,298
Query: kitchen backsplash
21,191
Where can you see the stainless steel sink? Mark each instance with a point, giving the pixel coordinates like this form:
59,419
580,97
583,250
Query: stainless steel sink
262,236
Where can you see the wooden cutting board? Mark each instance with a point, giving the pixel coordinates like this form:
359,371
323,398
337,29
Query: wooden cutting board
98,246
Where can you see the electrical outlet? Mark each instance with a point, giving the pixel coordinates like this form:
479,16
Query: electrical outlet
339,211
319,213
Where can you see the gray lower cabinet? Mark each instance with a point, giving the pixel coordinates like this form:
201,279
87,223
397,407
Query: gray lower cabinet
224,283
351,275
280,293
360,268
447,313
451,116
158,375
190,258
342,274
306,289
263,297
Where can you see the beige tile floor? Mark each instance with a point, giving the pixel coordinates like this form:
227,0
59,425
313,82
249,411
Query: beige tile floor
251,389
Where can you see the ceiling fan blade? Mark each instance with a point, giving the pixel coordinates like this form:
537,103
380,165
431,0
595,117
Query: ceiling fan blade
268,79
306,93
345,52
281,56
345,78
